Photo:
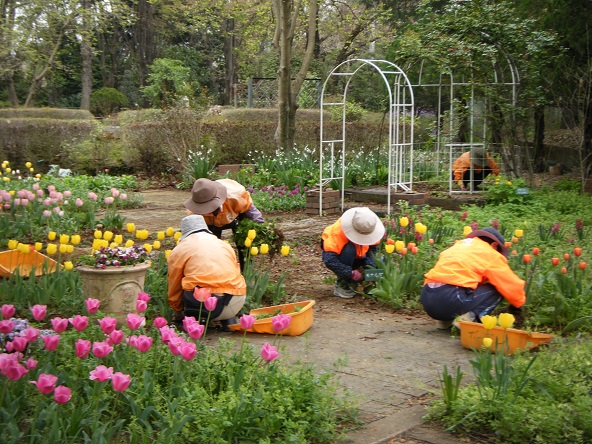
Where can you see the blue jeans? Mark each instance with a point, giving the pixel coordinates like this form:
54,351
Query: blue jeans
448,301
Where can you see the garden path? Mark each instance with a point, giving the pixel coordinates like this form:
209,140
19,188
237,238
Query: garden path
388,361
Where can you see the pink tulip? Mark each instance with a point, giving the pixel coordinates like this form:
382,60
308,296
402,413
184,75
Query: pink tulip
101,349
62,394
79,322
39,312
92,196
114,192
6,326
175,345
160,322
19,343
201,294
39,193
134,321
13,370
31,363
247,321
188,321
116,337
67,193
120,381
281,322
46,383
51,188
31,334
109,200
59,325
78,202
143,296
9,346
141,306
210,303
188,350
46,213
51,342
195,330
143,343
269,352
8,311
92,305
123,196
101,373
108,324
82,348
166,334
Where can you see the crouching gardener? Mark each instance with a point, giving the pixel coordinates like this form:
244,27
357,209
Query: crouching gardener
201,260
470,279
348,246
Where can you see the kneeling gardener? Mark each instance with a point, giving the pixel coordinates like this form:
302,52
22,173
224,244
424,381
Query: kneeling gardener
201,260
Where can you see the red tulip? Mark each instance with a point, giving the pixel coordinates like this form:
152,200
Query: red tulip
526,258
555,261
566,256
536,251
563,270
583,265
577,251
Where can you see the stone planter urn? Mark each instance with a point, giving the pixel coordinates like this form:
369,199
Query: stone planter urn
116,288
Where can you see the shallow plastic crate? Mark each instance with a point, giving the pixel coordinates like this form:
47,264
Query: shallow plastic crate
14,262
301,320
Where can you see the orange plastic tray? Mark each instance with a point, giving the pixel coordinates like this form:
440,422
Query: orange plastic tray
504,340
301,320
13,262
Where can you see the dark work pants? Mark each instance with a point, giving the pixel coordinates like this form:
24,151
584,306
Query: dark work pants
478,177
448,301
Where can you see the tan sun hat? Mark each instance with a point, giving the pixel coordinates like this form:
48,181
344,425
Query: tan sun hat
206,196
479,156
362,226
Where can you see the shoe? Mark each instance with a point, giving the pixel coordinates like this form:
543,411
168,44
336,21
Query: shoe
226,322
345,293
468,316
443,325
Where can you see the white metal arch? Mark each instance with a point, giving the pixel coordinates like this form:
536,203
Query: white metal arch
401,124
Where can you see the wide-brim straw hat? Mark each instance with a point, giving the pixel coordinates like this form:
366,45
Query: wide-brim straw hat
493,235
206,196
362,226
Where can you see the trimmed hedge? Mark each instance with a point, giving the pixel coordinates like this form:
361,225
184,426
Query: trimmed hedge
45,113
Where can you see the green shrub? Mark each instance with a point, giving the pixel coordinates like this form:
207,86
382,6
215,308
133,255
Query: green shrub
106,101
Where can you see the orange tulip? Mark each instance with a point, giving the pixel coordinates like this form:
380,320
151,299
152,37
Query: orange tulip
536,251
403,251
577,251
431,241
390,241
566,256
555,261
410,245
583,265
526,258
563,270
414,250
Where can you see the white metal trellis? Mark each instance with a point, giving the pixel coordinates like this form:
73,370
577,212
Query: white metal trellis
401,124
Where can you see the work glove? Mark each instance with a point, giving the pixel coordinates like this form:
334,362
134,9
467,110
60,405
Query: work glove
357,276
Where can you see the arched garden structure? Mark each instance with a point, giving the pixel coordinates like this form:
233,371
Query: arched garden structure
469,109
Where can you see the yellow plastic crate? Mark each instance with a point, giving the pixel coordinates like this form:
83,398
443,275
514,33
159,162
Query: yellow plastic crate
301,320
13,262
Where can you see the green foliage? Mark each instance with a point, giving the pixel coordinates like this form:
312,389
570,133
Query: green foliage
266,233
105,101
507,192
450,386
353,112
169,83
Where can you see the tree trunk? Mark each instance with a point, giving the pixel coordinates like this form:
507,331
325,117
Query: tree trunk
144,38
11,90
538,147
587,131
230,58
86,56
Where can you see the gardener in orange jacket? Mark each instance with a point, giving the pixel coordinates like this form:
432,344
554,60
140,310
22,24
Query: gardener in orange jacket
470,279
348,246
201,260
222,203
473,167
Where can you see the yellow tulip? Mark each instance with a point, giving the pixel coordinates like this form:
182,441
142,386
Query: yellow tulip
51,235
23,248
170,231
130,227
108,235
285,250
113,245
118,239
38,246
421,228
404,221
51,249
64,238
103,243
12,244
28,164
38,176
129,243
8,170
68,265
506,320
160,235
264,249
389,248
167,253
519,233
98,234
248,242
156,245
467,230
488,321
148,247
177,235
6,179
96,244
487,342
69,248
63,248
254,251
75,239
399,245
252,234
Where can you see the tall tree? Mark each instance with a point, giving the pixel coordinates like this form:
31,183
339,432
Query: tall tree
287,14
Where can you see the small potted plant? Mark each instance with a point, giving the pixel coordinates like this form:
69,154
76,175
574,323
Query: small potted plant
114,276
